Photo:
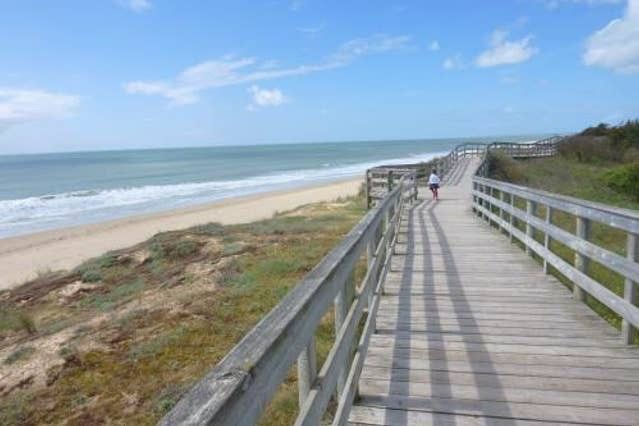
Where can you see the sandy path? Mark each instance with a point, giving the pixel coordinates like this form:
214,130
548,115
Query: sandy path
22,257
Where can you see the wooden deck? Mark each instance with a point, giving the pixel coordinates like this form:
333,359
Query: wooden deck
470,331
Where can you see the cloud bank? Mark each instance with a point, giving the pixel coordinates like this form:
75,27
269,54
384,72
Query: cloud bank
616,46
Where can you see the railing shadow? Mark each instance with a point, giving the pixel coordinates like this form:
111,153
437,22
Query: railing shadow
487,381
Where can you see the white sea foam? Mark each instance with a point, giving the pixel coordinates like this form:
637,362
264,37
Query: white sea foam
49,211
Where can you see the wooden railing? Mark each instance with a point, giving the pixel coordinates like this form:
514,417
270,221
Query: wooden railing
379,179
239,388
502,204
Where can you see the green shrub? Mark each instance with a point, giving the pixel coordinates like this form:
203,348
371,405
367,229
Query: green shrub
19,354
16,321
589,149
165,247
503,167
624,179
91,270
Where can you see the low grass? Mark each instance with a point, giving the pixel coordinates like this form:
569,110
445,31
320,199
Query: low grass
164,332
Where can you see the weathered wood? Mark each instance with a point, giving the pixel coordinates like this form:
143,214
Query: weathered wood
630,291
424,377
306,371
581,261
592,287
587,249
530,209
462,334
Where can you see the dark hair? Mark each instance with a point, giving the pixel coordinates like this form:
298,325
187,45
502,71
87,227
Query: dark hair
434,171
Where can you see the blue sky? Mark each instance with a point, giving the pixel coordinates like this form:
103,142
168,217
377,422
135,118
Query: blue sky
110,74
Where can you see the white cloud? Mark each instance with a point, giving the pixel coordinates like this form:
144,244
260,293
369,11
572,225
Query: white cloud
19,105
616,46
229,71
265,98
504,52
136,5
433,46
453,63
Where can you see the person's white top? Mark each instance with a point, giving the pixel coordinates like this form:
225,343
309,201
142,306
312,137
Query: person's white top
433,179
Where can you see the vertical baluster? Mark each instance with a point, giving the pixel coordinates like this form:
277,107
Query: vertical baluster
306,371
511,220
367,190
531,207
630,291
546,236
581,262
501,210
340,316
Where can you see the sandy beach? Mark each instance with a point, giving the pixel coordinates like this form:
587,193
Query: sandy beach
22,257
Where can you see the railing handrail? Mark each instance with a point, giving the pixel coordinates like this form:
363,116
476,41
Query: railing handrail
238,389
616,217
585,212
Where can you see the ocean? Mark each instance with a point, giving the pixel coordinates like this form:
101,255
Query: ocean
48,191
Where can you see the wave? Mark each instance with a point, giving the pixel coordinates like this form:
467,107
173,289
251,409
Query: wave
85,206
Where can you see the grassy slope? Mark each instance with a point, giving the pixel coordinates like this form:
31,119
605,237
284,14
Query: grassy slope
582,180
149,321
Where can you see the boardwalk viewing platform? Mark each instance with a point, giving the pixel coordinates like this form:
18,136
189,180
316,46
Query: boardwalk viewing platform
454,322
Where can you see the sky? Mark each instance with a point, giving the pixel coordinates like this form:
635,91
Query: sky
78,75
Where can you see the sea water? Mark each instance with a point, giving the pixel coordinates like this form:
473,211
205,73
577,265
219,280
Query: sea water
46,191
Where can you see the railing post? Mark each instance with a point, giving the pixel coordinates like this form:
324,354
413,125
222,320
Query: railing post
511,218
501,210
370,258
367,193
340,316
306,371
581,262
630,291
531,207
546,236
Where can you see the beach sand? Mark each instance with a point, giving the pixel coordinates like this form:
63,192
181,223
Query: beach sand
22,257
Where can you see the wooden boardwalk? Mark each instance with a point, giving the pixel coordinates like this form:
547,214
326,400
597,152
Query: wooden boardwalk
471,332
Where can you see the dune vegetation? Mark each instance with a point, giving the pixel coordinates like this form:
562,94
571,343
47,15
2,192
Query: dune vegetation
120,338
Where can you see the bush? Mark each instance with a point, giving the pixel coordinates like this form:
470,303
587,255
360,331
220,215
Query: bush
16,321
589,149
165,247
502,167
624,179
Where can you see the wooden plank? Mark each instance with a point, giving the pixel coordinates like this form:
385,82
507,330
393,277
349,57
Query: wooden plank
419,341
425,377
386,326
525,411
517,369
496,391
366,415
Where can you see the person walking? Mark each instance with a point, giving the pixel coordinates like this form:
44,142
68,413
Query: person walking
433,184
